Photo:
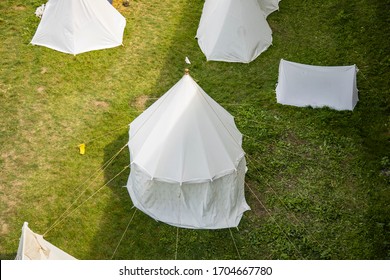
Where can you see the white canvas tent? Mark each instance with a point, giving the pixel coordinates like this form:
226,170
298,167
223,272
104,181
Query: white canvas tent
32,246
317,86
235,30
187,164
77,26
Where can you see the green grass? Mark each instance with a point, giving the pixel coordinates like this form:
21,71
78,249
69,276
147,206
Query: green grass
318,178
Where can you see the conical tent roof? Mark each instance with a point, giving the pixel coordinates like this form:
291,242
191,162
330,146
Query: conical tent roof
77,26
235,30
185,136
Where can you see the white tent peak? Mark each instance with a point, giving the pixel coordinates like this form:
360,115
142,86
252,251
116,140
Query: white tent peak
77,26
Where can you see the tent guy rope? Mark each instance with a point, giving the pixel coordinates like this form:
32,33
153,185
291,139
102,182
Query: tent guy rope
59,220
269,213
177,242
94,176
99,170
282,202
124,233
235,245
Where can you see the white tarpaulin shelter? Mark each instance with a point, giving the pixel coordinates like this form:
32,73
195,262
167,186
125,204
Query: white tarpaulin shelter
317,86
235,30
32,246
187,164
77,26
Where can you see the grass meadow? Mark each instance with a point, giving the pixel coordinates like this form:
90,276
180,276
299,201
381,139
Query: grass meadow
317,180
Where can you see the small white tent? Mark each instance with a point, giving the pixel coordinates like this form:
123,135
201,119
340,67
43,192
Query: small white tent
235,30
77,26
32,246
187,164
317,86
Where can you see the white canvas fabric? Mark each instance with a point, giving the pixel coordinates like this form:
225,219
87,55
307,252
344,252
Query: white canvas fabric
77,26
269,6
32,246
235,30
317,86
187,163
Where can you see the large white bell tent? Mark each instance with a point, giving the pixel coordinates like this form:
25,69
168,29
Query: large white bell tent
235,30
77,26
32,246
317,86
187,163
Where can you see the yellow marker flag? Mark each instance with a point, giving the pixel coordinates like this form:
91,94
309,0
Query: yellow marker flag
82,149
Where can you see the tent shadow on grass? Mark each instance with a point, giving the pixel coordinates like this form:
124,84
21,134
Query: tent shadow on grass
146,238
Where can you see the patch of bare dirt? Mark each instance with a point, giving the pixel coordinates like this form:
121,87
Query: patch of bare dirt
140,102
20,8
295,140
8,158
100,104
41,89
4,228
254,198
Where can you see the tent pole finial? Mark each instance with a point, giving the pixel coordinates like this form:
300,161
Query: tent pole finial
186,71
